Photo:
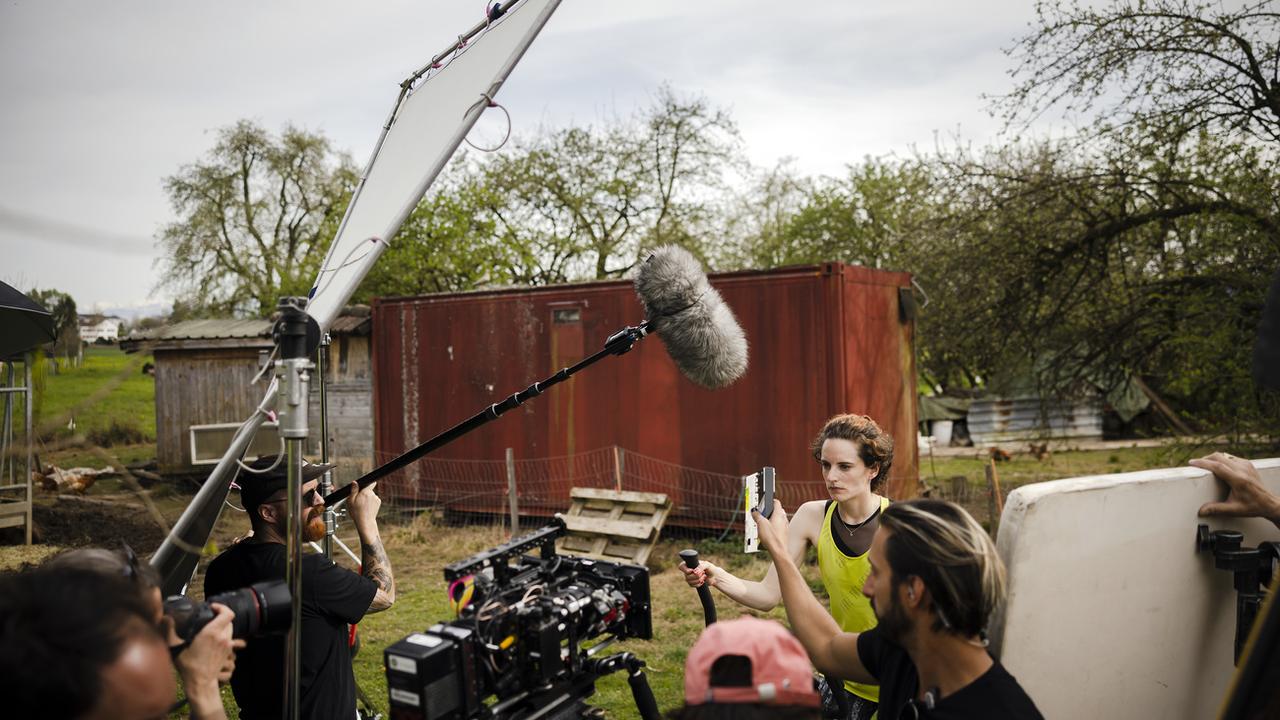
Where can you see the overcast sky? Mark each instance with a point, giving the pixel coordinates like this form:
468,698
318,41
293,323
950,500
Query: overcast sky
102,100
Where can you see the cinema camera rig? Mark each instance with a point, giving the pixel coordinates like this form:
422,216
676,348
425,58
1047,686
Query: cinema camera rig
519,636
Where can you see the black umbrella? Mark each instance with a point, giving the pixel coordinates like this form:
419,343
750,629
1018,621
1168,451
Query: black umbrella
23,323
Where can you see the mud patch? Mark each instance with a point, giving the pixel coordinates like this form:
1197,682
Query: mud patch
69,523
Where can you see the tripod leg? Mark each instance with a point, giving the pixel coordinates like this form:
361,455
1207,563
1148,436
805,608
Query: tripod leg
365,708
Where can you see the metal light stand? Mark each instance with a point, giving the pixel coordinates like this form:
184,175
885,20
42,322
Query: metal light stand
293,372
325,487
326,480
331,538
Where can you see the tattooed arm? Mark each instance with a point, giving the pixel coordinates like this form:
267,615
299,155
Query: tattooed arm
364,506
373,558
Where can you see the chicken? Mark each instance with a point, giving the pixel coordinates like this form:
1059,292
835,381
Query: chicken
72,480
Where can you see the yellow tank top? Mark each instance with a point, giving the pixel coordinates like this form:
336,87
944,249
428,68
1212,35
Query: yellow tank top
843,576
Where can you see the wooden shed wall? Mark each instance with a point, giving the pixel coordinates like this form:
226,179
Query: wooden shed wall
199,387
350,426
349,360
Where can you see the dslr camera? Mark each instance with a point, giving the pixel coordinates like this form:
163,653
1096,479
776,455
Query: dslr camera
518,647
261,609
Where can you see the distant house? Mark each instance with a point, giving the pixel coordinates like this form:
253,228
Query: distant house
96,328
205,389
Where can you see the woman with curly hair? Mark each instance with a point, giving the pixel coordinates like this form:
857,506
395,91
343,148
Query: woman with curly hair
854,454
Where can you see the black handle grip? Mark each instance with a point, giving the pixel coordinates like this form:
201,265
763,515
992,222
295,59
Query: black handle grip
643,694
690,559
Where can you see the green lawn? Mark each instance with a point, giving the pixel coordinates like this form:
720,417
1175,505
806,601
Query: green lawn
107,388
1024,468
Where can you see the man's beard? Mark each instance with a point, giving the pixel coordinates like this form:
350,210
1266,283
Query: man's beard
314,529
894,622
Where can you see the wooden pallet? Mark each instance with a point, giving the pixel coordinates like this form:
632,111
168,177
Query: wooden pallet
614,525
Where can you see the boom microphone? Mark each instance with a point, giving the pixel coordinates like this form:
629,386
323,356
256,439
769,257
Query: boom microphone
698,328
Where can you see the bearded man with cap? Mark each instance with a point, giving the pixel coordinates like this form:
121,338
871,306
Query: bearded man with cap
332,597
748,669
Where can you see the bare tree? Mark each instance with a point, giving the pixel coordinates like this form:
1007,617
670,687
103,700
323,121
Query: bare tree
254,218
1155,63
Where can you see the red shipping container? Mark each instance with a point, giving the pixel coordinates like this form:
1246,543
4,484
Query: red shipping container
824,339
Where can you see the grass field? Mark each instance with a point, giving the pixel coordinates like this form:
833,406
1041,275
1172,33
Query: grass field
107,389
1024,468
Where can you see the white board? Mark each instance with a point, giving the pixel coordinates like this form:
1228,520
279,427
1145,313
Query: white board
1111,612
427,128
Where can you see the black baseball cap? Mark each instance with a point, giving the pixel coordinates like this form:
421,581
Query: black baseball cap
256,487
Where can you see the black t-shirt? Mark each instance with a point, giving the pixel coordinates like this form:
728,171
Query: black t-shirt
995,694
332,598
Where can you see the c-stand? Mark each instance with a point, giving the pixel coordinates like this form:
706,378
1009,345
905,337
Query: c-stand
1251,568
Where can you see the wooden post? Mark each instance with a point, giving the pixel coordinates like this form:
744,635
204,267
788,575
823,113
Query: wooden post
511,492
995,503
619,464
1162,407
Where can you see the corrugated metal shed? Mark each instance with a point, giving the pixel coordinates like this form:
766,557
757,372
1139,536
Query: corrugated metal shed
1026,418
824,340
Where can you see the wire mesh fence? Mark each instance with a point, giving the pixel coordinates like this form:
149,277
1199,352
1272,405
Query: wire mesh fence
979,500
482,488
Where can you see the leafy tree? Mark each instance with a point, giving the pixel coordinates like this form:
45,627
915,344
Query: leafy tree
66,320
577,203
584,202
756,220
872,216
1079,266
446,245
254,218
1133,247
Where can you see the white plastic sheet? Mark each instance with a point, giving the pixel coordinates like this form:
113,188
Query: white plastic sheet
427,128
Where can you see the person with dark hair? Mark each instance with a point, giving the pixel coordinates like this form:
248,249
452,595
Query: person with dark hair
333,598
80,644
935,580
208,660
747,669
854,455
